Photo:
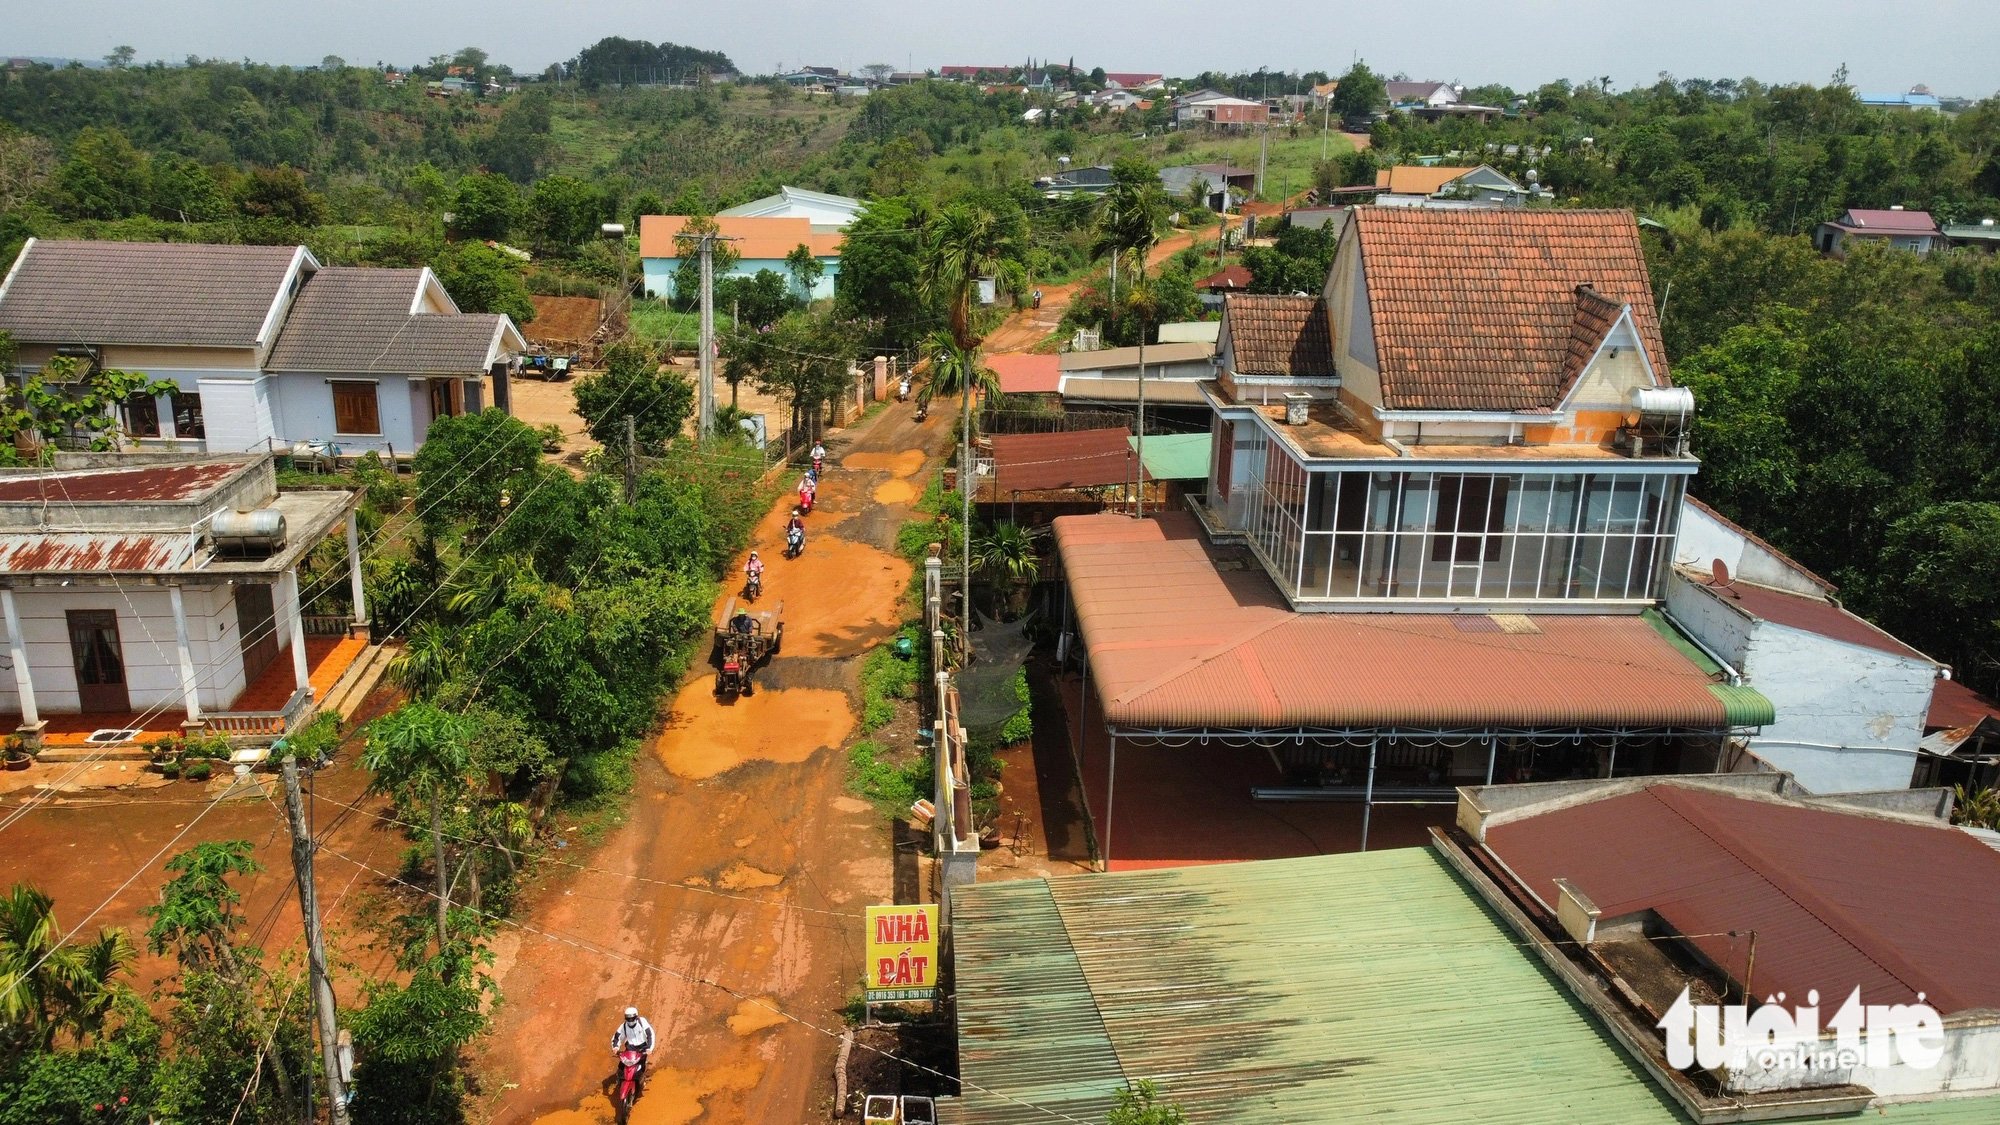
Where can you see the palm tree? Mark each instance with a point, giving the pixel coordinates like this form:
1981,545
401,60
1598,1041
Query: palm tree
952,368
1130,219
961,244
1007,554
48,986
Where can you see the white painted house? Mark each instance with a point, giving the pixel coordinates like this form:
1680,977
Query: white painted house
157,594
825,213
1851,699
265,346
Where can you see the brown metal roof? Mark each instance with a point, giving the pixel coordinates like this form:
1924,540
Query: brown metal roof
1418,179
1475,310
1174,641
94,293
1075,459
160,482
1159,392
1272,335
1953,705
1811,615
1104,359
352,320
82,553
1838,899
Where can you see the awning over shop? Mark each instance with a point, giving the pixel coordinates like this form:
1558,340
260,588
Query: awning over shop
1176,456
1071,459
1176,643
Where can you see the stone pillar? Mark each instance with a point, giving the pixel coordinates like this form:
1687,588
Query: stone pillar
190,686
354,574
24,684
288,597
881,377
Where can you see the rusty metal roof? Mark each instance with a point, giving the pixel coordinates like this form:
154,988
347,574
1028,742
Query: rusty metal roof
1810,615
151,482
1839,899
1954,705
1174,641
85,553
1071,459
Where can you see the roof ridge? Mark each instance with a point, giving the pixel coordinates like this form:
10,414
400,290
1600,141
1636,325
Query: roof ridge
1806,898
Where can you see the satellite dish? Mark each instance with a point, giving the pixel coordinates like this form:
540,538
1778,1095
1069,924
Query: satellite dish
1718,575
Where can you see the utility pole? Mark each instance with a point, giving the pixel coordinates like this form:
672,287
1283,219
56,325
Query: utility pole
1139,494
967,481
631,459
1263,150
322,988
705,419
736,325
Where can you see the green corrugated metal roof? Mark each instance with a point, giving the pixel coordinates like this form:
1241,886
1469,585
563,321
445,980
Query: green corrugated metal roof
1176,456
1741,706
1324,989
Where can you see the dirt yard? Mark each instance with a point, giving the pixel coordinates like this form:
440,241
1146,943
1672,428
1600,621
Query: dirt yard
728,906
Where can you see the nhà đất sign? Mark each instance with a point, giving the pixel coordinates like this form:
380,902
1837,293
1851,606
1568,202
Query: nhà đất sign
902,953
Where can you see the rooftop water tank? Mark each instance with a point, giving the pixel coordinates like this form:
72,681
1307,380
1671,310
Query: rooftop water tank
259,533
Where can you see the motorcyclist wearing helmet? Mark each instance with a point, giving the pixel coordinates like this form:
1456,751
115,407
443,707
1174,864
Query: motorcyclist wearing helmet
636,1033
754,569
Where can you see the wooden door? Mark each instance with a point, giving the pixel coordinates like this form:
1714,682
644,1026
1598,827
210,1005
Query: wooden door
256,629
100,662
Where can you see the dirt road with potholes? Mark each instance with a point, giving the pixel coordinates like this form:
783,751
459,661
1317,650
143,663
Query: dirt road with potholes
1029,327
744,861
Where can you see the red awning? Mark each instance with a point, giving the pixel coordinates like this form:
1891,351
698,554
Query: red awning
1075,459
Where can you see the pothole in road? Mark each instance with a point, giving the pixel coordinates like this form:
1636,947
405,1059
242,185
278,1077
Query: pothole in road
740,876
706,736
753,1016
895,492
902,464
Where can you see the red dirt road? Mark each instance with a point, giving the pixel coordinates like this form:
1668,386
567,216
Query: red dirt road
1029,327
727,907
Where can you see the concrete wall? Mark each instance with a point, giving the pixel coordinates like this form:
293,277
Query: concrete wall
1704,539
146,636
305,412
1849,717
237,414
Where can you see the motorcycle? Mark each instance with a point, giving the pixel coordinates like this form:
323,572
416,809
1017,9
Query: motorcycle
795,542
819,465
923,410
753,586
629,1064
806,503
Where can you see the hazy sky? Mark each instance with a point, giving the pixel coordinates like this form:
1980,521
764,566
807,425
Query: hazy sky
1951,45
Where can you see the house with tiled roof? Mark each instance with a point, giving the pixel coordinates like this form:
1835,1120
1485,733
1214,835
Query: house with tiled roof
1415,185
1894,227
264,346
762,242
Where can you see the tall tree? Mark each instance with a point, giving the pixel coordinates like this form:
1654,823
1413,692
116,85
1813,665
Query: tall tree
963,243
1360,94
48,985
422,756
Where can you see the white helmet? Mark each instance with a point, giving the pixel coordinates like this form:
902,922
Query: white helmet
631,1014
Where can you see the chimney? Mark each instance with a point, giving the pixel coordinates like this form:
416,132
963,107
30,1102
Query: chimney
1895,207
1296,405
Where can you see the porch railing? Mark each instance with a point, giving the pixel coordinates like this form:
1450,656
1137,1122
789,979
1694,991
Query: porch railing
280,722
327,624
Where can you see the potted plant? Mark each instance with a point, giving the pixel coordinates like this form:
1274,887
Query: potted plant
170,767
198,769
15,753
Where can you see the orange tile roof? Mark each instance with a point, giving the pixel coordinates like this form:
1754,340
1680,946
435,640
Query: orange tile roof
1477,310
1273,335
757,238
1416,179
1596,316
1026,372
1173,641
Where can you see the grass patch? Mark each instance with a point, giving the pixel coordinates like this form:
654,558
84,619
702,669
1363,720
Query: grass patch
886,680
889,784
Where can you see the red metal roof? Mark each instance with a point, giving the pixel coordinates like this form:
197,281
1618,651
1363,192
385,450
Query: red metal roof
1174,641
1026,373
1228,277
160,482
83,553
1953,705
1811,615
1838,899
1862,220
1075,459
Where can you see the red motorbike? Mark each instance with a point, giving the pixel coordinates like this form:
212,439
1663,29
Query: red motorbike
806,503
630,1062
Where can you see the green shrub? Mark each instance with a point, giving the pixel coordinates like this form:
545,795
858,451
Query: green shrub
885,679
890,785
